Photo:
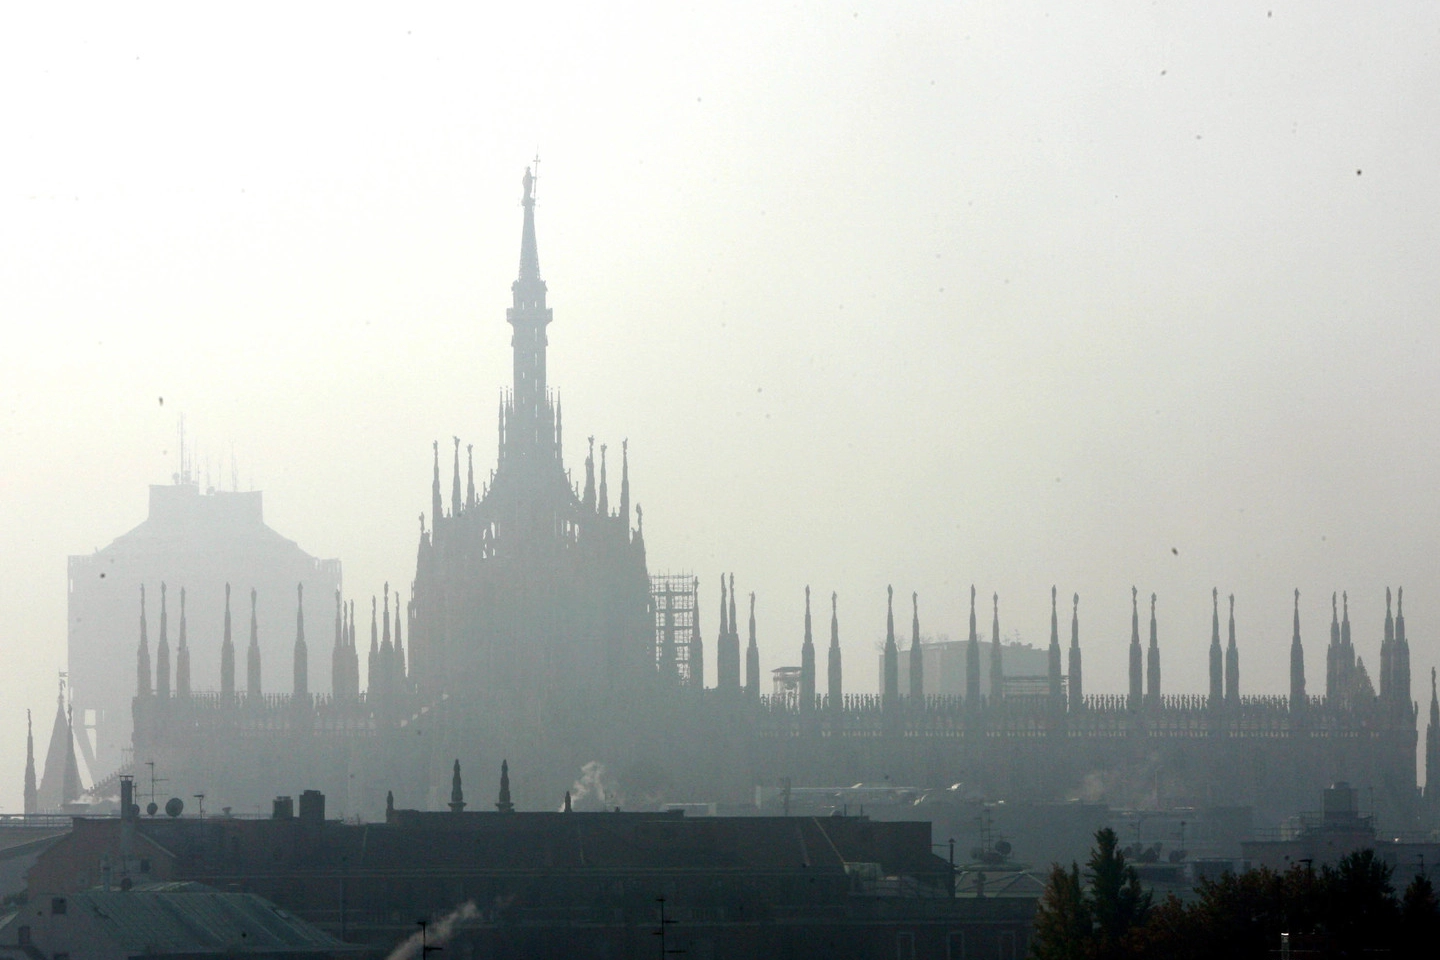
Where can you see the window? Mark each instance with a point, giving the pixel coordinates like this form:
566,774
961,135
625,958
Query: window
144,865
57,906
905,946
955,945
23,935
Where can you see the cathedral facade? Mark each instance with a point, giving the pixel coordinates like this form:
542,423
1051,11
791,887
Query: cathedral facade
530,633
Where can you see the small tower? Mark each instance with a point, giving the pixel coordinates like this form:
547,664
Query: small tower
162,652
1077,690
502,803
1347,651
456,504
587,500
352,668
1152,675
338,684
834,688
227,656
374,685
469,476
1432,753
435,504
385,682
892,653
302,653
997,662
457,790
252,656
603,507
727,647
734,629
752,658
1136,658
1052,655
1401,665
401,678
1232,663
1297,665
1217,656
972,659
32,803
142,655
807,661
1387,654
1333,689
182,655
917,653
625,487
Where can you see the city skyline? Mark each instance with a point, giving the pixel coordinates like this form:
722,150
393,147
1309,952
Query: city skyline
1153,316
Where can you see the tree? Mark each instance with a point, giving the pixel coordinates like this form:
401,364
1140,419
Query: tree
1099,918
1062,918
1419,918
1117,901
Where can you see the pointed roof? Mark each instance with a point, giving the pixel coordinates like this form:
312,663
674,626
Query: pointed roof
60,782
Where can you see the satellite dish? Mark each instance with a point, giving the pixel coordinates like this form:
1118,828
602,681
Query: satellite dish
1003,848
134,809
151,808
174,807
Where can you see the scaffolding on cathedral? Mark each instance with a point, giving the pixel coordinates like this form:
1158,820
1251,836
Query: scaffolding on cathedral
677,637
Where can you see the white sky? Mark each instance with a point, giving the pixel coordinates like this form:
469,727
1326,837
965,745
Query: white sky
910,293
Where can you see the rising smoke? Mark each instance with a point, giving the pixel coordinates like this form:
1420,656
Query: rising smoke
594,790
437,933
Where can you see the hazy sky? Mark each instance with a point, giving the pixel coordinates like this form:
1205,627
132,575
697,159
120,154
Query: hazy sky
913,293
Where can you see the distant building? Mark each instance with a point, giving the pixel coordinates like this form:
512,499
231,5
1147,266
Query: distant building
946,672
194,542
1336,830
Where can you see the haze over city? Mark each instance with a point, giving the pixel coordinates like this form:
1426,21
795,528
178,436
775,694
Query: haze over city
920,294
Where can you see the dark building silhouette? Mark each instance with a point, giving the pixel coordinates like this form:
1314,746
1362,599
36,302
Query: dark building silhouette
563,883
535,632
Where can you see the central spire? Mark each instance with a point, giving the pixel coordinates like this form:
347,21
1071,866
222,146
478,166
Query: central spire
530,419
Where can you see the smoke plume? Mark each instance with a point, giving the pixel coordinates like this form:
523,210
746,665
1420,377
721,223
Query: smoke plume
436,934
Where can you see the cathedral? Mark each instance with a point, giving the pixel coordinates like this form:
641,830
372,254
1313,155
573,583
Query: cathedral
534,631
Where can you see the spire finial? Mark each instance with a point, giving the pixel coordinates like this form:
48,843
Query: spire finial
529,252
503,803
457,790
1077,603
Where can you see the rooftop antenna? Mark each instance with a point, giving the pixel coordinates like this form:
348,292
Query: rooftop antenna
183,474
425,948
535,183
153,806
234,472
